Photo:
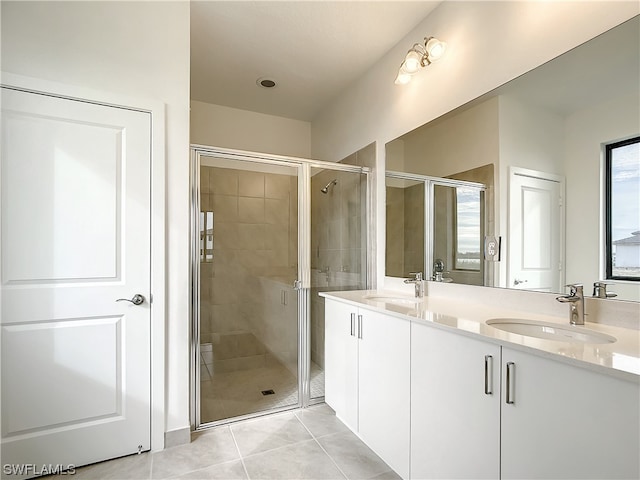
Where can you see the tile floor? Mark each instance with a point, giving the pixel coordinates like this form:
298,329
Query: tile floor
301,444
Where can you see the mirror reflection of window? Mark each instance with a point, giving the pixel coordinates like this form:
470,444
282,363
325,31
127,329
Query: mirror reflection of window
468,232
623,209
206,236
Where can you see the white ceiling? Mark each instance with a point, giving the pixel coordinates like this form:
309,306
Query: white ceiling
313,49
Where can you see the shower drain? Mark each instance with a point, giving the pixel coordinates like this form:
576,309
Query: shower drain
268,392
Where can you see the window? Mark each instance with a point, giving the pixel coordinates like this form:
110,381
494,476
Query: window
622,213
468,234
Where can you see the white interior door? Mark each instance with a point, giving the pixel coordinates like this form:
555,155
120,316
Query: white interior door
535,231
75,238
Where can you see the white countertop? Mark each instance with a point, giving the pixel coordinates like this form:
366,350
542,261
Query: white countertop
620,358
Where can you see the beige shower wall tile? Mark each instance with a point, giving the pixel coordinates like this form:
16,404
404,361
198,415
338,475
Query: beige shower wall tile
276,186
206,200
250,260
248,344
334,234
276,212
276,238
204,180
277,258
250,237
225,318
225,237
223,181
250,210
224,290
225,208
251,184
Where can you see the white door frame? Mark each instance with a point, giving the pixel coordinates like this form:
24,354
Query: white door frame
157,301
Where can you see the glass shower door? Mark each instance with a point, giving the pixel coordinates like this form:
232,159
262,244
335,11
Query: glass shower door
338,250
248,308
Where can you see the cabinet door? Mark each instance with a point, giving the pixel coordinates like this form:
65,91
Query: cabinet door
455,413
384,377
567,422
341,362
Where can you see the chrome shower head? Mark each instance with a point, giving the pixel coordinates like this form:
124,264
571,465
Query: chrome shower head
325,189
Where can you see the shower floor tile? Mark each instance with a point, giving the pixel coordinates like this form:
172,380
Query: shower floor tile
231,394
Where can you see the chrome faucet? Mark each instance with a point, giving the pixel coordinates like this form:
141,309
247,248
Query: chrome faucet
576,301
438,272
418,282
600,290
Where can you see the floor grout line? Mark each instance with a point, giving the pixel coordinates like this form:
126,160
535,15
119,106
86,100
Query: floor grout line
321,447
246,472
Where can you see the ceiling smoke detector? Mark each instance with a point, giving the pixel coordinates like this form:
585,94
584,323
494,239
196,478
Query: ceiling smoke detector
266,82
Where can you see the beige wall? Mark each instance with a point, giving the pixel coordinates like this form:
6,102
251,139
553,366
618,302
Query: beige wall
455,144
220,126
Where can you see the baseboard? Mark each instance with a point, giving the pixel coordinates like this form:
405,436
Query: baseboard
177,437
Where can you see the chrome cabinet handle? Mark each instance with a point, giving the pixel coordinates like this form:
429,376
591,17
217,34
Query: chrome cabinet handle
137,299
360,326
509,397
488,375
353,324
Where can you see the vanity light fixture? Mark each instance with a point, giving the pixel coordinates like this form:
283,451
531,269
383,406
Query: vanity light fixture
419,56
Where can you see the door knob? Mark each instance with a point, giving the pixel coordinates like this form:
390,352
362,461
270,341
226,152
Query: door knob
137,299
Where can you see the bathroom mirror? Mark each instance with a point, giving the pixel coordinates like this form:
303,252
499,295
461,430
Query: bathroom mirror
438,223
548,126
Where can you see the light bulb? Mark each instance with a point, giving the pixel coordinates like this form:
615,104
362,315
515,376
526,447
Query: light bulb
403,78
435,49
412,62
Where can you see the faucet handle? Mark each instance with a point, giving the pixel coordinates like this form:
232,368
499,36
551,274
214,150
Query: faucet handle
600,290
417,275
575,289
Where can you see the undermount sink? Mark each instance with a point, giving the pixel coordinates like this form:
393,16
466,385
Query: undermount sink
550,331
392,299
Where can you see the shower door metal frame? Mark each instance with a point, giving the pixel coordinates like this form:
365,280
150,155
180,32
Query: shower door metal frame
303,283
429,198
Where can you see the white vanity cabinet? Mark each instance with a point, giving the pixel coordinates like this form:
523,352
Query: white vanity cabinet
479,410
455,405
437,403
367,371
564,421
341,361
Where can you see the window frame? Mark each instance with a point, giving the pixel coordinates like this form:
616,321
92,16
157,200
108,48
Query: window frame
608,190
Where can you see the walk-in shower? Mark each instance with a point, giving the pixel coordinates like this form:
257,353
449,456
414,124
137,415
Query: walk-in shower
265,241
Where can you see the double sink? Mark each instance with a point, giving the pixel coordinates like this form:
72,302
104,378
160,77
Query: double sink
519,326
